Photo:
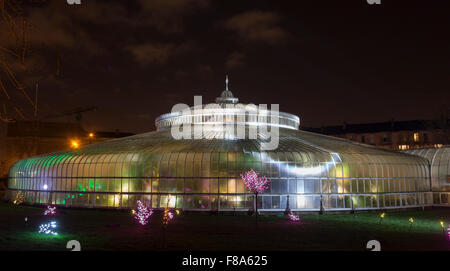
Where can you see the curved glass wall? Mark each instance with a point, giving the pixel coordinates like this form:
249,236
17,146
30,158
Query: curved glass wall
439,159
203,174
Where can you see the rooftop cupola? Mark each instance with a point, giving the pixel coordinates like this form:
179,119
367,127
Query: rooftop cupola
226,97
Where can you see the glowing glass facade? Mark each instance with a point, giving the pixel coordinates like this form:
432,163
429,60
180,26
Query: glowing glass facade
439,159
203,174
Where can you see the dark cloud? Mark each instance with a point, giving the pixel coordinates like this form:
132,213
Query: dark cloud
173,7
203,71
198,71
168,16
151,53
63,22
235,59
122,56
157,53
258,26
72,26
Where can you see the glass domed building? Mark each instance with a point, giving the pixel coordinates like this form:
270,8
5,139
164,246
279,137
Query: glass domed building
307,170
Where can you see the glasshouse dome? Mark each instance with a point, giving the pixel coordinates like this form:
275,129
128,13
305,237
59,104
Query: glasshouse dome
308,171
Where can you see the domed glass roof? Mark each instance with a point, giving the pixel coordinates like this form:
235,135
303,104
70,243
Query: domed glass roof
202,172
226,111
226,97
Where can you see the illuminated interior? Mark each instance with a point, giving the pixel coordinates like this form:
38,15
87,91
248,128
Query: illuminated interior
203,174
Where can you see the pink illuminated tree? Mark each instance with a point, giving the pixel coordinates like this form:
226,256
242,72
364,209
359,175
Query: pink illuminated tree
255,184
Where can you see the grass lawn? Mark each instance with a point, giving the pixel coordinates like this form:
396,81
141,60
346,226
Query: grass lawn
116,230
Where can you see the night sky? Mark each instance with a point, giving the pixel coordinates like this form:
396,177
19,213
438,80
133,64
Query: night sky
325,61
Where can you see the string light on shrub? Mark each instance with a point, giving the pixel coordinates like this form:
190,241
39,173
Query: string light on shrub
381,217
48,228
19,198
168,215
142,214
411,222
166,218
50,210
293,217
442,224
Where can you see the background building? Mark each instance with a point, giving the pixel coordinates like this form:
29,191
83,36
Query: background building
394,135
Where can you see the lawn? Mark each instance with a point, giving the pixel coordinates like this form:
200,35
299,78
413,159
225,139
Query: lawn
116,230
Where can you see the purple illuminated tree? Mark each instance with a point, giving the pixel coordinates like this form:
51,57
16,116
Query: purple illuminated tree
255,185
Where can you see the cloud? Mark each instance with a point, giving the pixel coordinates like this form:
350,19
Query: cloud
149,53
258,26
235,59
55,26
198,71
158,53
59,26
203,71
170,7
167,15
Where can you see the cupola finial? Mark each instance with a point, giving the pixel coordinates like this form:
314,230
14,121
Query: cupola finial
226,82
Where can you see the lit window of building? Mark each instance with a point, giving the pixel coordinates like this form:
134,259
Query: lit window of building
403,147
389,135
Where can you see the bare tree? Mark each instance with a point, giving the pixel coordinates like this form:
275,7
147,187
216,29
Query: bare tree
14,50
